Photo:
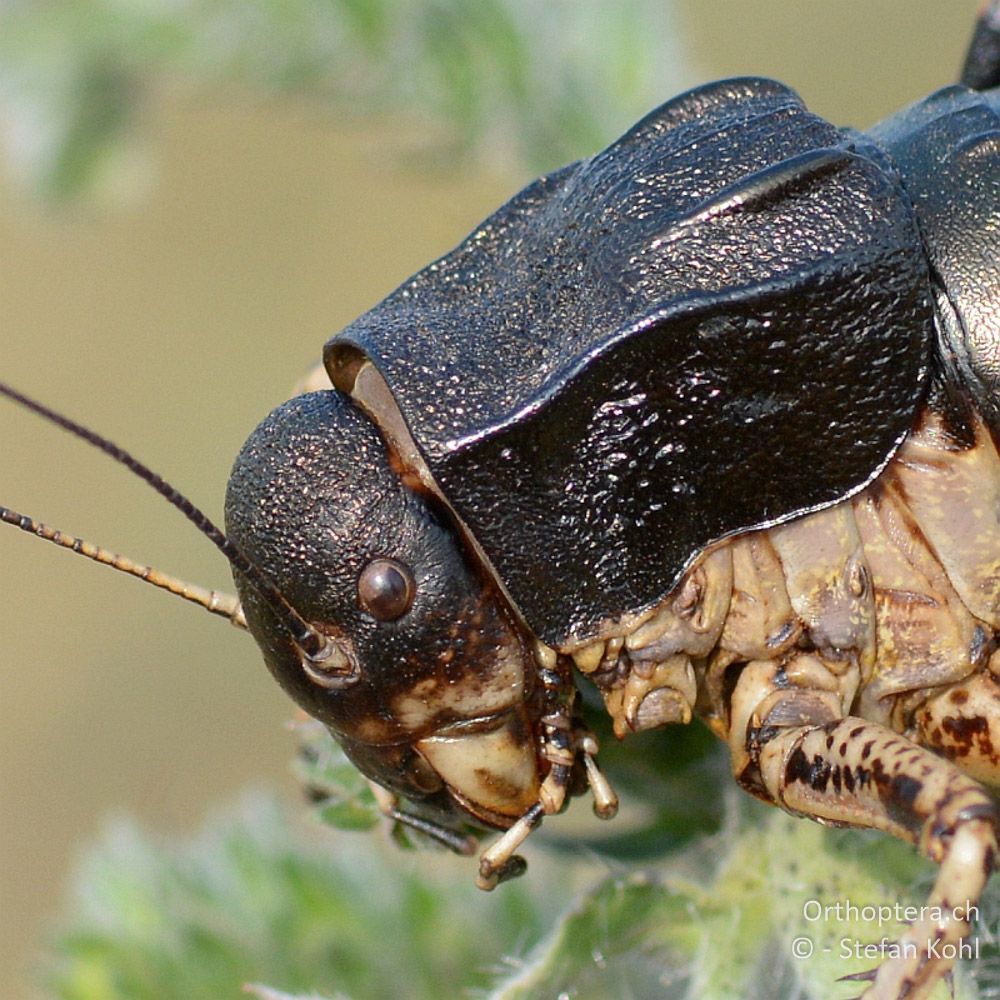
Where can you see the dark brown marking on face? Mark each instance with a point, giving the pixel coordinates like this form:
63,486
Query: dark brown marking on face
504,790
463,661
866,750
518,728
959,697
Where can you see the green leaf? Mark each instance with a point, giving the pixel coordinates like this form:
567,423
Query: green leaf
253,899
343,797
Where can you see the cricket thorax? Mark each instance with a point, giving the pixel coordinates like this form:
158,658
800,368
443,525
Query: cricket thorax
885,606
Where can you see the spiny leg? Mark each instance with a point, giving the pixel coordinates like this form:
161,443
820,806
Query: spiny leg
858,773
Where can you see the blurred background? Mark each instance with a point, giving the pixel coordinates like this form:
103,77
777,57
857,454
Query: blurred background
193,196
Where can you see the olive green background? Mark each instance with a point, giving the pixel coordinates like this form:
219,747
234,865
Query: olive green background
172,319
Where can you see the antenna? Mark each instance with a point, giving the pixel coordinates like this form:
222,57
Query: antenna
213,601
316,646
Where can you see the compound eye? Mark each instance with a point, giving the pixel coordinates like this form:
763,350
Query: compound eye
386,589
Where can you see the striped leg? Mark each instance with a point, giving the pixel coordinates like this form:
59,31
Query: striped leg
857,773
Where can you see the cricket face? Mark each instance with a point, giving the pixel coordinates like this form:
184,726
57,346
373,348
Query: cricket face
429,683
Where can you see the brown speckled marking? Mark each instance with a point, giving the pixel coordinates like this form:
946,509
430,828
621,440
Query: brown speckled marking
963,724
964,731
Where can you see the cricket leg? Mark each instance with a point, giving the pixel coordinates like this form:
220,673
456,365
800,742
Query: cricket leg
857,773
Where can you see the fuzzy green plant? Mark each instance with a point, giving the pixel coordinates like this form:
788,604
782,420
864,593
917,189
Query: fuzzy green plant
742,902
531,83
253,901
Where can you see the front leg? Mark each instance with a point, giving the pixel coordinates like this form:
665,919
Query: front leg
857,773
